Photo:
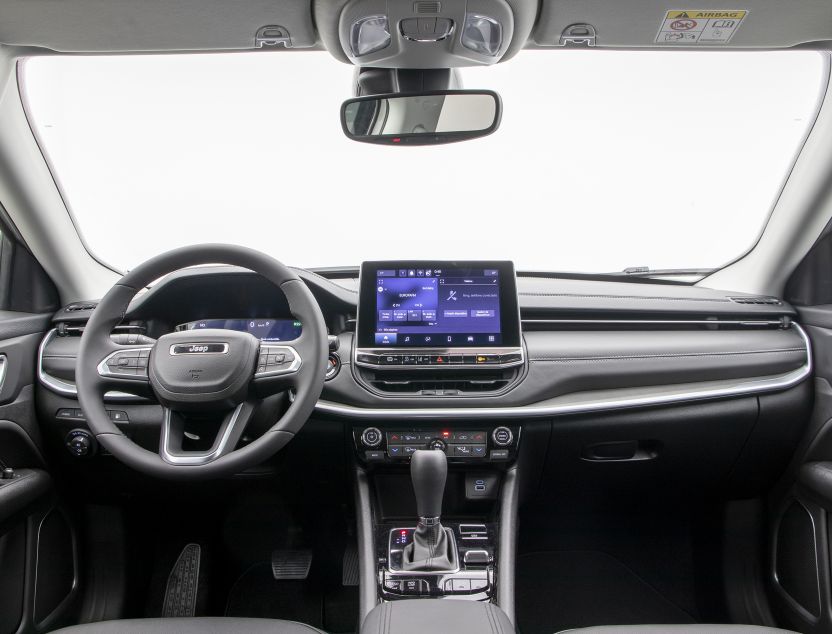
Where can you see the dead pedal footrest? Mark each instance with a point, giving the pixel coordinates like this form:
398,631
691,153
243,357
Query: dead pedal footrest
183,583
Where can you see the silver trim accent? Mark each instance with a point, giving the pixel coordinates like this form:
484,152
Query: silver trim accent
196,458
477,550
200,343
104,371
4,364
659,322
65,388
750,386
271,349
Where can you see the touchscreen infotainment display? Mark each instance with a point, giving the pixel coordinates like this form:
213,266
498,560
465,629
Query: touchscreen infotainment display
438,305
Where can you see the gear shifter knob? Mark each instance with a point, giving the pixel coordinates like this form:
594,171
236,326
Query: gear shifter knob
428,471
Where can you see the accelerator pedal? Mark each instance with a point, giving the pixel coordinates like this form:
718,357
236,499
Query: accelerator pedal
183,583
291,564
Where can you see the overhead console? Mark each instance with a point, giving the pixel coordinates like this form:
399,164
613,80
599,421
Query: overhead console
438,328
424,33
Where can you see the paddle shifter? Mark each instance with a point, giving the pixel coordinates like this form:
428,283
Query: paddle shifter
433,546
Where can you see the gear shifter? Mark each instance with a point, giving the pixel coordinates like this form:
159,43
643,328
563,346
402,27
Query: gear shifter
433,546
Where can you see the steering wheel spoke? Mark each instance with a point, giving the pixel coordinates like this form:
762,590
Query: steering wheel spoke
277,369
174,440
125,368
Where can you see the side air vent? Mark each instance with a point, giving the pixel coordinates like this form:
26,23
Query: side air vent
72,308
758,300
427,7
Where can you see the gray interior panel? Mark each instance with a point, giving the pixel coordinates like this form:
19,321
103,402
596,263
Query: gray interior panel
150,25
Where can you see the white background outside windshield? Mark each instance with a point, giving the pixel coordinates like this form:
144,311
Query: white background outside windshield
604,160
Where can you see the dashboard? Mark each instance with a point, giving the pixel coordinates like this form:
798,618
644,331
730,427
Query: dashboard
561,346
576,365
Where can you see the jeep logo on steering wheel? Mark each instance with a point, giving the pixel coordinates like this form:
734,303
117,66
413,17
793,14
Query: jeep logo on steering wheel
199,348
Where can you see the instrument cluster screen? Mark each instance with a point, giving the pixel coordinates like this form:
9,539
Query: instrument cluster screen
265,329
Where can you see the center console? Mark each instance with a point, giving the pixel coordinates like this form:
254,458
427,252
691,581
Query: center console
463,494
441,496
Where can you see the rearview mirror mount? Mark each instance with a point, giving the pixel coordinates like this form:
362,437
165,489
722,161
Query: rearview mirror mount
430,118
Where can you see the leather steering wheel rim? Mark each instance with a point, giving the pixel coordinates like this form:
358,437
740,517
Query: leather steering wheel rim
96,344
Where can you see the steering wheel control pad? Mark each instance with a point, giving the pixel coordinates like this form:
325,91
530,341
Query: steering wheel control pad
203,369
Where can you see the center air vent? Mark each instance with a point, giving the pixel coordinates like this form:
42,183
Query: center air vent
760,300
427,7
438,383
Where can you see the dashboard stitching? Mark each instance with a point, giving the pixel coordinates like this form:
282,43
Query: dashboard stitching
662,356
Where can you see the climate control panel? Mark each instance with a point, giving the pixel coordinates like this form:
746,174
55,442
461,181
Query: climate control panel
468,444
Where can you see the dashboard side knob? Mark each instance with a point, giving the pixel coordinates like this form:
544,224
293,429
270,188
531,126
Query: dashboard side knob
371,437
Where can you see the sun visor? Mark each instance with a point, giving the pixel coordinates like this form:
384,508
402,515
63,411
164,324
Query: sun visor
663,24
156,25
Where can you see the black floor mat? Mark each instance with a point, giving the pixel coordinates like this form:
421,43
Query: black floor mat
312,601
562,590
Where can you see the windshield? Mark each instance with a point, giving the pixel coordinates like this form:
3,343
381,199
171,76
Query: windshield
604,160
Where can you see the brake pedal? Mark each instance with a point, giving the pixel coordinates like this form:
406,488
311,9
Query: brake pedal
183,583
349,569
291,564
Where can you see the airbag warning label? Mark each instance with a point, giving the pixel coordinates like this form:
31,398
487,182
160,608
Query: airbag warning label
709,27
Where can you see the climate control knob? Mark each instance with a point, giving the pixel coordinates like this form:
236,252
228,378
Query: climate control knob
371,437
502,436
438,444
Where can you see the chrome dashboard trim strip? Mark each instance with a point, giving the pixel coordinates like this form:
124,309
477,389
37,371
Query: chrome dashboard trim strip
65,388
742,388
656,322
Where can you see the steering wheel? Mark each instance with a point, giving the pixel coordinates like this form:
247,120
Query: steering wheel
221,372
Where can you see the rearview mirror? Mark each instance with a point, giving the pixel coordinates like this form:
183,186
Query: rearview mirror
422,119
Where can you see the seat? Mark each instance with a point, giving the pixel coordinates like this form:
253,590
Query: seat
198,625
679,629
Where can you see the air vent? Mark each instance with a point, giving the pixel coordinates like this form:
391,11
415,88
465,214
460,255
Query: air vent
438,383
427,7
80,306
760,300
